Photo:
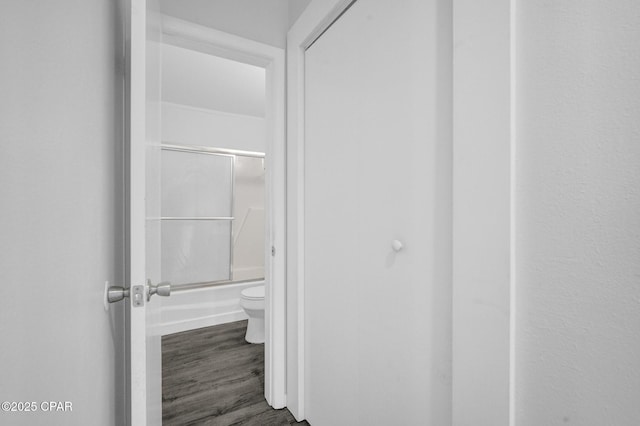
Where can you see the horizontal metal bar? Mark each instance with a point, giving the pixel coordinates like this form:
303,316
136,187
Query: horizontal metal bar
199,218
209,150
192,286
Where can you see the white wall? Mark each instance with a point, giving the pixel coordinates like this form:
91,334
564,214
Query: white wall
186,125
61,218
578,213
206,81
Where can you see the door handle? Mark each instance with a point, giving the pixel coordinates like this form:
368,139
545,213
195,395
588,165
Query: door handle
162,289
117,293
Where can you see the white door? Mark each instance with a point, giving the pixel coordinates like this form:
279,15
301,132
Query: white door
144,349
377,220
146,32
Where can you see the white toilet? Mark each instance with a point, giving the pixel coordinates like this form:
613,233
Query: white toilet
252,301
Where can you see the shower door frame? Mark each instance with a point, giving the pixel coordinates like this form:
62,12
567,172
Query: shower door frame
216,43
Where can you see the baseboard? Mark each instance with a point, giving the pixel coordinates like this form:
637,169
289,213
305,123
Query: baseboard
193,323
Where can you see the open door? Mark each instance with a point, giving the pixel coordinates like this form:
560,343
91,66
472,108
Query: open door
145,27
144,371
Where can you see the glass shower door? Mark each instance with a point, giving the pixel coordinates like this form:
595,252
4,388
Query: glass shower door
197,216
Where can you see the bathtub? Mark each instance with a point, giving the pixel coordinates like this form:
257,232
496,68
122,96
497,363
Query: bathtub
202,307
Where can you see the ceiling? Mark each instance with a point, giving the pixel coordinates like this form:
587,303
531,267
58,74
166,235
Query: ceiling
266,21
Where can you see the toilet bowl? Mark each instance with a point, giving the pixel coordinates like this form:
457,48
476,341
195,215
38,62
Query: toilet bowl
252,301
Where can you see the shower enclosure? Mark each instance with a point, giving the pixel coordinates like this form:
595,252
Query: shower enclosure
212,223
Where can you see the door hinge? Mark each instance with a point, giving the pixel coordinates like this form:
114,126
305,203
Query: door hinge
273,251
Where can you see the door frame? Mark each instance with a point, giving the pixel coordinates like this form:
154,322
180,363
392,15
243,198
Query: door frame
483,141
137,399
192,36
484,232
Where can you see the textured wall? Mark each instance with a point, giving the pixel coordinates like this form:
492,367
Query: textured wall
578,213
61,221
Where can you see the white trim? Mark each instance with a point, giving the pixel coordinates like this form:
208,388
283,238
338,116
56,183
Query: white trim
194,323
209,111
512,212
206,40
483,220
136,119
318,16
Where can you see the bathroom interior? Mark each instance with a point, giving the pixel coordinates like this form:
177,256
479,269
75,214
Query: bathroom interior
212,186
212,205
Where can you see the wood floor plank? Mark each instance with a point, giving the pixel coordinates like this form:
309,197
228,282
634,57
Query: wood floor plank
212,376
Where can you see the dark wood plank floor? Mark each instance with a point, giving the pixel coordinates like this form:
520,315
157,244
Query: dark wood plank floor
211,376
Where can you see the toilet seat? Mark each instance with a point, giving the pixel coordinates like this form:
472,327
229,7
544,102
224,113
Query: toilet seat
253,293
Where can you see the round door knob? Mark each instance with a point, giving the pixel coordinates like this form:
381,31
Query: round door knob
116,294
396,245
162,289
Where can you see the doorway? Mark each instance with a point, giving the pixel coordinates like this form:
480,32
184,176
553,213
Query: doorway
222,146
213,176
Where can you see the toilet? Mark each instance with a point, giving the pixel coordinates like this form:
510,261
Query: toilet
252,301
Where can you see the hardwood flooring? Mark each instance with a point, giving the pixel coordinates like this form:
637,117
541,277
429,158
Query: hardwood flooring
211,376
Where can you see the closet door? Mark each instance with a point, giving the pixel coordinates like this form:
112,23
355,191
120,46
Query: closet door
377,219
